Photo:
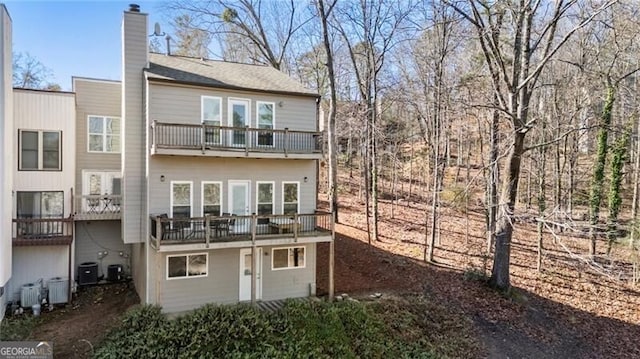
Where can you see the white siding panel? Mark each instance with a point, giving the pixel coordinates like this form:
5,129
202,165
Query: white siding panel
6,146
37,262
51,111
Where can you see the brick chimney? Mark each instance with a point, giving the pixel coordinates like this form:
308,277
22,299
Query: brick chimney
133,153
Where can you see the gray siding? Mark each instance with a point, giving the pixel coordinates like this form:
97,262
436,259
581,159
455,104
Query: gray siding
95,236
222,283
98,98
134,46
182,104
139,269
288,283
225,169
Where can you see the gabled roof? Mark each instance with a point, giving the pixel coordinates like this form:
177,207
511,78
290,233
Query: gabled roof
221,74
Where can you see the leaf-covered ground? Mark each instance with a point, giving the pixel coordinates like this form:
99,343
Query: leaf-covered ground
571,309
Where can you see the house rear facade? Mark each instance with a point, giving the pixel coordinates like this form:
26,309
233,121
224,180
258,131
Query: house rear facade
196,179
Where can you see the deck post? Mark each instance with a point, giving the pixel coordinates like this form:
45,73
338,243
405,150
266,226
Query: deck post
207,229
246,141
286,140
154,137
203,138
295,228
158,238
331,258
254,274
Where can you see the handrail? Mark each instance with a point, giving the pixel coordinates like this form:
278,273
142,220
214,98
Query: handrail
205,137
212,229
98,204
35,228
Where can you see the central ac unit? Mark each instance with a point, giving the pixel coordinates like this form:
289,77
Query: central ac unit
30,295
58,290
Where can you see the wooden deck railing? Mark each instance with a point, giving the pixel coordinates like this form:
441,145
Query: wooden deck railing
210,229
42,228
206,137
97,205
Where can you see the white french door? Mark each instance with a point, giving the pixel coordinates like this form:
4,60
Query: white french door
245,273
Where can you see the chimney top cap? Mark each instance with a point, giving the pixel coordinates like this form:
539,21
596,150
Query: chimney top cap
134,8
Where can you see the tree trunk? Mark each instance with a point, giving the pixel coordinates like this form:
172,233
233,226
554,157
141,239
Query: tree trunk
598,171
504,226
615,201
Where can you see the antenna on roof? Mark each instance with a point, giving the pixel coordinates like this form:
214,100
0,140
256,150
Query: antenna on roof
168,38
156,30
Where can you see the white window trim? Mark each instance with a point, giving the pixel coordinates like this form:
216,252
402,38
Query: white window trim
104,135
190,183
288,258
230,100
273,195
298,195
202,98
273,120
40,150
105,175
219,183
187,276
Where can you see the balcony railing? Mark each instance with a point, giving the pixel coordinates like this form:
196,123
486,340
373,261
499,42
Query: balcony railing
44,231
210,229
239,139
95,207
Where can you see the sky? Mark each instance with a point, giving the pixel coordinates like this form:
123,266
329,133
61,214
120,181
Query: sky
75,38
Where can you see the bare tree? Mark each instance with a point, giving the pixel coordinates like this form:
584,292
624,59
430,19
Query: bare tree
528,40
29,72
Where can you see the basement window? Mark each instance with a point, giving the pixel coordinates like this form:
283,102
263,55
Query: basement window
287,258
187,266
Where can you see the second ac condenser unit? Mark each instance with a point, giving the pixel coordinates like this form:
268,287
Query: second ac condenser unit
58,290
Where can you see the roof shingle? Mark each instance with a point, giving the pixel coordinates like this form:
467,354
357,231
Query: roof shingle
222,74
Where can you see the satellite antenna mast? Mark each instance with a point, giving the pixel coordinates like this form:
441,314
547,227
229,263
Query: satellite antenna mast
157,32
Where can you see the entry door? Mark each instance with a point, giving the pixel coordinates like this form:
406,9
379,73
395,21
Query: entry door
245,274
239,205
238,118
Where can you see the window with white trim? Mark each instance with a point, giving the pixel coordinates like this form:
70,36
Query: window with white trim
187,266
264,204
104,134
181,199
40,150
211,198
265,120
287,258
211,113
290,197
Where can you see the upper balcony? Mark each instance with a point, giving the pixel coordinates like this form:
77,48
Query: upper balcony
97,207
221,141
239,231
42,231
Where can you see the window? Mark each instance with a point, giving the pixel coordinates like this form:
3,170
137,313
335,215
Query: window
286,258
187,266
40,204
211,198
104,134
290,195
181,199
265,121
265,200
40,150
211,109
101,191
98,183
